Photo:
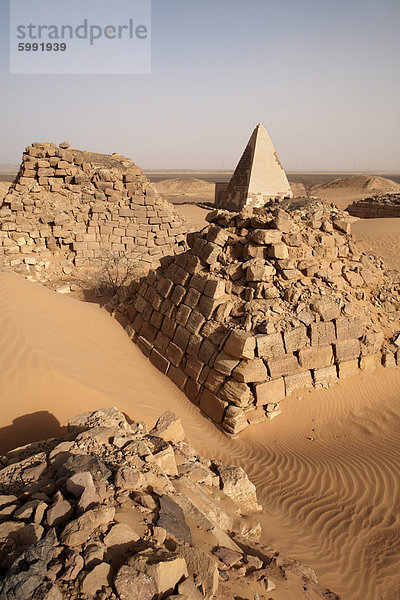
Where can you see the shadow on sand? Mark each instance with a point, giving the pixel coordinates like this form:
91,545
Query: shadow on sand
30,428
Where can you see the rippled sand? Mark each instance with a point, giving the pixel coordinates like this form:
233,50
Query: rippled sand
331,502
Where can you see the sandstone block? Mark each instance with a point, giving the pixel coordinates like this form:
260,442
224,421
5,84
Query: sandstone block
388,360
283,365
325,378
212,406
130,584
165,568
234,420
217,235
58,512
240,344
214,288
322,333
236,392
349,368
260,272
171,518
349,327
250,371
236,484
192,390
195,322
77,532
315,357
269,346
326,309
270,391
347,349
127,478
183,314
159,361
278,251
203,567
295,339
214,381
298,381
81,485
225,363
169,428
121,536
266,236
181,337
165,459
194,367
174,354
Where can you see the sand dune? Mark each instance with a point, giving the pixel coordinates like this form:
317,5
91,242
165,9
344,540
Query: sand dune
369,183
331,502
181,185
185,190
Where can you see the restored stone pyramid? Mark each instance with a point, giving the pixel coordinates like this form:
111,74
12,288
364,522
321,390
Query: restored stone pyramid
258,177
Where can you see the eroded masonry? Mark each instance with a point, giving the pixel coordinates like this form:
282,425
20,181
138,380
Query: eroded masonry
376,207
70,206
265,302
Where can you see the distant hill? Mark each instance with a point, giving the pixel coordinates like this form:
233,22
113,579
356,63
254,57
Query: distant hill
181,185
9,168
362,183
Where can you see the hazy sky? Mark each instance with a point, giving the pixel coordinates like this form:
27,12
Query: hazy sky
322,75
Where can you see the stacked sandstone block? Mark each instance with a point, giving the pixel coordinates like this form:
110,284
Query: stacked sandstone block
83,205
387,206
265,302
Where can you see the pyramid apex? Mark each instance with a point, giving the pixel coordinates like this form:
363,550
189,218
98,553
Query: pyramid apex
258,177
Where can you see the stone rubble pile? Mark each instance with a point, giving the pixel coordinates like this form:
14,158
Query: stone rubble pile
112,511
69,206
266,302
376,207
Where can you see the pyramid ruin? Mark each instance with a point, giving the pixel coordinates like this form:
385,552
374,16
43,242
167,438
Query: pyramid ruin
376,207
267,301
70,206
258,177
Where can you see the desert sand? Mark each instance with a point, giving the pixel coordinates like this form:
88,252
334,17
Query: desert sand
327,470
380,237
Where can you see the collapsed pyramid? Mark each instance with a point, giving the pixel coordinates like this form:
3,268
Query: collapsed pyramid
266,301
72,206
258,177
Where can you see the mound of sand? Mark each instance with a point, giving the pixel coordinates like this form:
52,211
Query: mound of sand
362,183
182,186
326,471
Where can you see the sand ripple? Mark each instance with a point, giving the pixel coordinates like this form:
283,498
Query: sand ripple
331,502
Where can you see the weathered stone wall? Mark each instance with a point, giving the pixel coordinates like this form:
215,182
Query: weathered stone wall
80,205
264,303
376,207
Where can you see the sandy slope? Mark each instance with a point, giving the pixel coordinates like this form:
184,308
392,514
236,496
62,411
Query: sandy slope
381,237
331,502
185,190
